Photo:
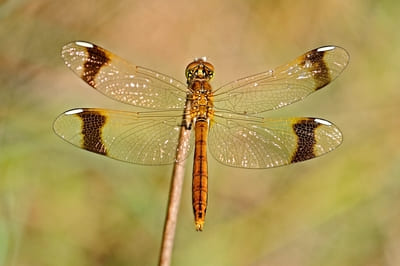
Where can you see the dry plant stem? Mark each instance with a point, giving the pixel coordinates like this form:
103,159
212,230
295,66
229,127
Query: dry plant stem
174,200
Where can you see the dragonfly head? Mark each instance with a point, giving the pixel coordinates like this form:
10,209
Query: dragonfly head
199,69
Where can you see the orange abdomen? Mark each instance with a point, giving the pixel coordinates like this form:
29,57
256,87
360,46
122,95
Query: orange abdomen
200,174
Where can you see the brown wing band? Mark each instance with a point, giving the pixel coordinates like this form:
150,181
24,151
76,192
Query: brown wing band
92,127
96,59
318,67
305,132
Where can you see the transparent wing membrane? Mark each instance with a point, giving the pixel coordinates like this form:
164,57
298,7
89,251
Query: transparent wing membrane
284,85
122,81
264,143
236,138
148,138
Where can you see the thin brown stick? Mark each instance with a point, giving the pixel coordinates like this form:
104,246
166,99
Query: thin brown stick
175,192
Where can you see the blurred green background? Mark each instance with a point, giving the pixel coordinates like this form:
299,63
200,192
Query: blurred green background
63,206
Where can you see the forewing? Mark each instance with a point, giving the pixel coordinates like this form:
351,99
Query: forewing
140,138
271,142
122,81
284,85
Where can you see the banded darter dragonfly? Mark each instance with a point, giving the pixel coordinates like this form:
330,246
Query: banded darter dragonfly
226,121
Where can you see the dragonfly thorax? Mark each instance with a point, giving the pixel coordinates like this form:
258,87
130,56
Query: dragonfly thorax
199,69
202,99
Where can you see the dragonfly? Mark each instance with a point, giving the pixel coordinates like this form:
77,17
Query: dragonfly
228,121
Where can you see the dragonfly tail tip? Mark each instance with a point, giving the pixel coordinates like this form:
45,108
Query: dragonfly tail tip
199,226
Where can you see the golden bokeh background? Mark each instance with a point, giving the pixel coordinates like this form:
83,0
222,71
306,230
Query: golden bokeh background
63,206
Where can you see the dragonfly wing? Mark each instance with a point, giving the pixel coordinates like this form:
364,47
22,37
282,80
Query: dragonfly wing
284,85
142,138
122,81
271,142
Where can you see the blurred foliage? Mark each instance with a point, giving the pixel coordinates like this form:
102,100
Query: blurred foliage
63,206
